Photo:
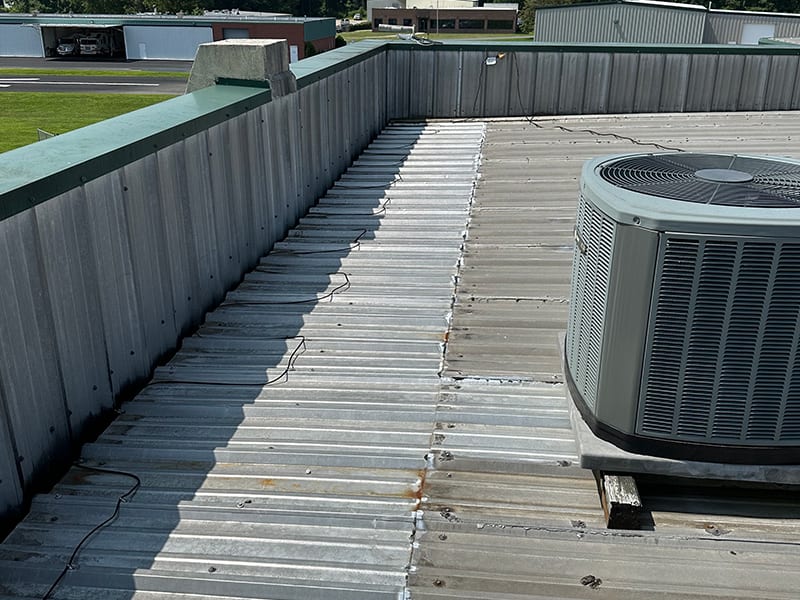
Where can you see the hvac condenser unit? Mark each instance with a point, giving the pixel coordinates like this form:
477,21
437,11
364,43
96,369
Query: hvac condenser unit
683,337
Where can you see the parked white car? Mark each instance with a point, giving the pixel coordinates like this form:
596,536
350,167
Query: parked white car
95,45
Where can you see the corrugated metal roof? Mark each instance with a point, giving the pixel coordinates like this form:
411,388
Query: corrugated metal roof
307,486
508,514
376,460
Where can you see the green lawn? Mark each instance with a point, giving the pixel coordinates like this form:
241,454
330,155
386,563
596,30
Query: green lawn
93,73
21,113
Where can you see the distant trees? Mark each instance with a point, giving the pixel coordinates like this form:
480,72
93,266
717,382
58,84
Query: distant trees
322,8
310,8
528,7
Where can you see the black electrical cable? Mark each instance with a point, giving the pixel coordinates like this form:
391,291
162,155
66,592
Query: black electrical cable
343,186
354,245
624,138
478,87
339,288
295,353
617,136
380,211
285,373
290,364
124,498
128,495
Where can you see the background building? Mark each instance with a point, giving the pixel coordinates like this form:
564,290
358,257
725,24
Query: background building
447,16
745,27
160,37
402,4
651,22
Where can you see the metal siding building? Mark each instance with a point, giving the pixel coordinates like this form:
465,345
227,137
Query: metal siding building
625,21
729,27
20,40
484,19
646,22
150,42
166,37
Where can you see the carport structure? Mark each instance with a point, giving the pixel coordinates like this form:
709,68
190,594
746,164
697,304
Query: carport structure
52,33
39,36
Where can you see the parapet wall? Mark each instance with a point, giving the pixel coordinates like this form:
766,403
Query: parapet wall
117,238
455,81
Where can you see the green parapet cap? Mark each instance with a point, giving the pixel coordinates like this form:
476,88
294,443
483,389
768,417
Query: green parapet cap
35,173
320,66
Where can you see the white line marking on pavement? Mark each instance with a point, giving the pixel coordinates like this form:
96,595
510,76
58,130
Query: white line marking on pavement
97,83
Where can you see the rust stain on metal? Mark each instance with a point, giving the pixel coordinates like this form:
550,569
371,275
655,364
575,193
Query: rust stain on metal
79,477
415,492
265,483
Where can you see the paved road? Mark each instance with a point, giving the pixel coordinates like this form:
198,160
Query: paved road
92,84
96,63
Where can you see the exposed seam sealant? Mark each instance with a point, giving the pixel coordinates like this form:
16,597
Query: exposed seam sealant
418,525
457,380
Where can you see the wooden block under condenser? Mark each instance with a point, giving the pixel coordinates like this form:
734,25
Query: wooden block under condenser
621,502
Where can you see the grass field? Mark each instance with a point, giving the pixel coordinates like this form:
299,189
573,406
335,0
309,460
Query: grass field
22,113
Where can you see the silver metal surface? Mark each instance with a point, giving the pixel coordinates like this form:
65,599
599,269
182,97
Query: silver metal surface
507,512
282,450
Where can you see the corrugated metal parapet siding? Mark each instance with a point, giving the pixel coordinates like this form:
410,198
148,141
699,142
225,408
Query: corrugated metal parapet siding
544,79
281,452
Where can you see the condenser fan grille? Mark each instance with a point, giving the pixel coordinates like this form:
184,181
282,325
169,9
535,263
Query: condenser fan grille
720,179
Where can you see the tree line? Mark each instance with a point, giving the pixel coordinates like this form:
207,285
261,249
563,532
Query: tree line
325,8
300,8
